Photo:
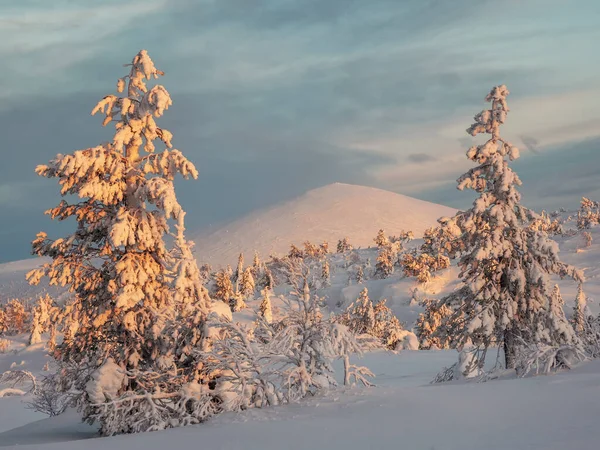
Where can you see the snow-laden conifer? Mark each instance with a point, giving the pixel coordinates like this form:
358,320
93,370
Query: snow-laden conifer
506,265
343,245
360,275
17,318
267,281
247,284
381,240
257,267
131,289
41,317
239,271
265,310
223,286
325,274
428,325
580,312
384,266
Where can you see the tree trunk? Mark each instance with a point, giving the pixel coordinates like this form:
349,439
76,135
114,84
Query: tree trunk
509,349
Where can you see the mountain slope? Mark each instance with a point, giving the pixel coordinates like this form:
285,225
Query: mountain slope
324,214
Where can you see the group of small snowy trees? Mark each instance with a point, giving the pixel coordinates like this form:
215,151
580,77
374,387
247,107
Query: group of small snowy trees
40,317
389,252
588,214
235,288
377,320
14,318
144,347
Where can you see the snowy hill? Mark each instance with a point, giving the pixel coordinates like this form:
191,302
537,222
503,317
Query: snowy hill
13,283
324,214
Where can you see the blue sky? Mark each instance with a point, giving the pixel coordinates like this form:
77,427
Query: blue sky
275,97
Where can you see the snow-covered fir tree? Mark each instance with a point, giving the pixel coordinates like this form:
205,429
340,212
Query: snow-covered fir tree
428,325
307,340
384,266
553,327
377,320
360,275
247,285
283,361
257,266
387,326
41,317
555,344
267,281
505,266
265,310
422,266
359,317
588,214
223,286
16,316
325,275
239,272
237,302
587,239
311,250
343,245
295,252
132,291
580,310
381,240
590,336
3,322
444,239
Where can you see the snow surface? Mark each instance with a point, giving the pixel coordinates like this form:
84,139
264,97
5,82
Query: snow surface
553,412
327,214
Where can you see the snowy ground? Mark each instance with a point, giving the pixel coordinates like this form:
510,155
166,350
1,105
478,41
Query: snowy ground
552,412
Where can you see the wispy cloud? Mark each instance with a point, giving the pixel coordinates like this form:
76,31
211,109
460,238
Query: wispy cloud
47,43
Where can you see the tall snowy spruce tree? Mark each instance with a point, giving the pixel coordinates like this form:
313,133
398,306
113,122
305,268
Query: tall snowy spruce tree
123,365
505,265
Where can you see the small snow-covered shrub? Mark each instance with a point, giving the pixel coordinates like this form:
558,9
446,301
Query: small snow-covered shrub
587,238
590,336
15,318
343,245
19,378
4,345
544,223
543,359
49,399
423,265
432,325
588,214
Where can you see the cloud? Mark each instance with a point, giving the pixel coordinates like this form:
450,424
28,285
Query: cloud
273,97
44,44
557,177
420,158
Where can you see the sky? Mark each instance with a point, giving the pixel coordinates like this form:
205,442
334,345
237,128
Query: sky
275,97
